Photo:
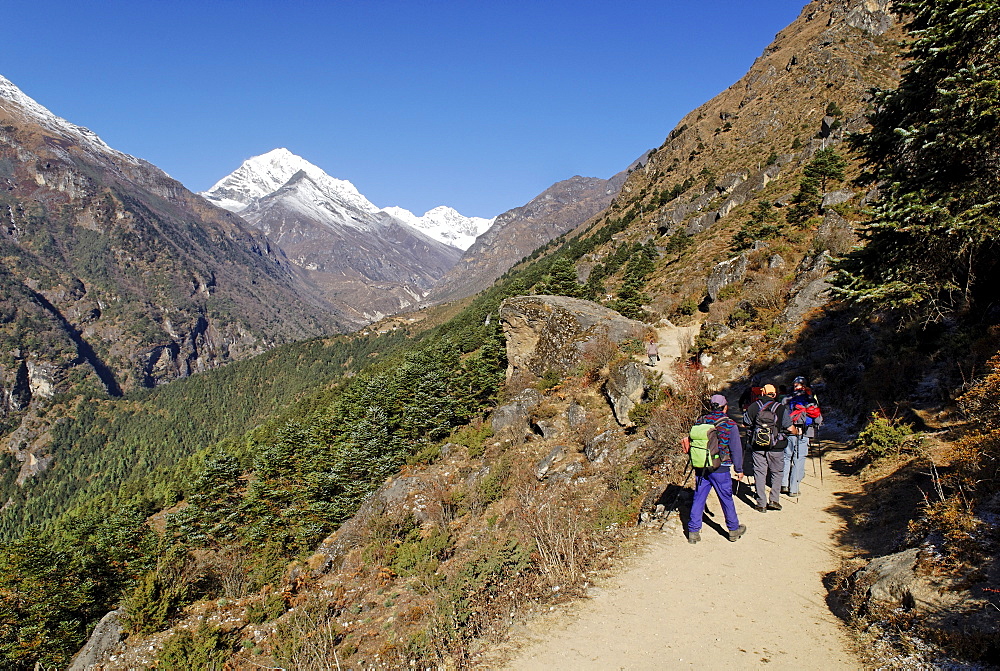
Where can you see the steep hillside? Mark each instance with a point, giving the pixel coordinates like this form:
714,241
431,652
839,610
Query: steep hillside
133,272
729,174
117,278
518,232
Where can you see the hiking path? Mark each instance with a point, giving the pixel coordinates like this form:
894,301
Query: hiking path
758,603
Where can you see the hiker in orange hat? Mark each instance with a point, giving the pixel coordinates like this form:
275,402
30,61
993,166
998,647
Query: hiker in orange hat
768,426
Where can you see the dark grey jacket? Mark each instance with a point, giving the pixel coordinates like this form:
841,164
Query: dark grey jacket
750,420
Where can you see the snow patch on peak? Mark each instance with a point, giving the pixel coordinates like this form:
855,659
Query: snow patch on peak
262,175
309,198
46,119
444,224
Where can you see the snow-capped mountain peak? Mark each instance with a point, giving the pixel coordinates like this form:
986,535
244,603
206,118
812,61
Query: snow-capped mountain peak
444,224
262,175
46,119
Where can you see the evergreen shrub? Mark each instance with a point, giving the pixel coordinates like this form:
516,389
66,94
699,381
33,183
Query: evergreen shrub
885,436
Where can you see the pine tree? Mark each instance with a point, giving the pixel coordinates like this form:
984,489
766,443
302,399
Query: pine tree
932,245
561,280
826,164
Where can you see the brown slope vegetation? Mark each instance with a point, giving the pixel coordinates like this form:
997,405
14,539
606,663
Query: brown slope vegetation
751,141
518,232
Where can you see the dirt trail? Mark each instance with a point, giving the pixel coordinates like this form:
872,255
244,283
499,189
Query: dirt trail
755,603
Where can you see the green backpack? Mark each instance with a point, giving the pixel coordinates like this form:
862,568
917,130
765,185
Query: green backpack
704,451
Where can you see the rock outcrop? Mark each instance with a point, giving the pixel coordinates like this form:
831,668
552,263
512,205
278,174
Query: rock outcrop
106,636
625,388
726,273
557,333
513,420
895,581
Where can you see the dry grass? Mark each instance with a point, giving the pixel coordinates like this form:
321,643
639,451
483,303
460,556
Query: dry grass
559,536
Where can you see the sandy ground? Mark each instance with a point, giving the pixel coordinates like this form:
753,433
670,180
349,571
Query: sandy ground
755,603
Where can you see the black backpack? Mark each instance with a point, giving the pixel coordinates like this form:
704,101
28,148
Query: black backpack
767,434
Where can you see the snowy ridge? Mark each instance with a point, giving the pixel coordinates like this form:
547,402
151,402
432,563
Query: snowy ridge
329,199
262,175
309,198
46,119
444,224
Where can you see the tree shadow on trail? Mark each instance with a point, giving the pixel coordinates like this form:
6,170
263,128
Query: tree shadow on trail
876,518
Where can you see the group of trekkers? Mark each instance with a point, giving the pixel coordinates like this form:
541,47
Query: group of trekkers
778,426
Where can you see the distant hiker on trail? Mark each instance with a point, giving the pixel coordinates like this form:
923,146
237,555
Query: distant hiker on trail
769,425
803,410
652,351
714,447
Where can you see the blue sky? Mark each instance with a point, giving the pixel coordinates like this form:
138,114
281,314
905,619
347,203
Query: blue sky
476,105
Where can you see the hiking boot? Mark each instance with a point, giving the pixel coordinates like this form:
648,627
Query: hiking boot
784,490
760,509
774,506
735,534
694,537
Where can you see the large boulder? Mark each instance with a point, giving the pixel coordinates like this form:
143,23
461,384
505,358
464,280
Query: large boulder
836,198
106,636
727,272
513,420
554,333
625,387
895,582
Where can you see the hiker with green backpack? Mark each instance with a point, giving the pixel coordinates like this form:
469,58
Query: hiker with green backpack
713,447
768,427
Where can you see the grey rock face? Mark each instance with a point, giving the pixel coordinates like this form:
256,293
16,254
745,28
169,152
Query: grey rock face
107,634
727,272
550,428
837,197
701,222
730,182
812,296
576,415
624,389
543,466
596,449
895,582
872,16
513,419
554,333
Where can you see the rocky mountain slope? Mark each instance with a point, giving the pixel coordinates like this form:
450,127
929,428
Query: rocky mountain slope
115,273
518,232
368,262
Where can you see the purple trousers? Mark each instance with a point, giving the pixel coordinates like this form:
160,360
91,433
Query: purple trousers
722,482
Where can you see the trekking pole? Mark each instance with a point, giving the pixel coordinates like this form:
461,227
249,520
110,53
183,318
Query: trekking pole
821,464
677,496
